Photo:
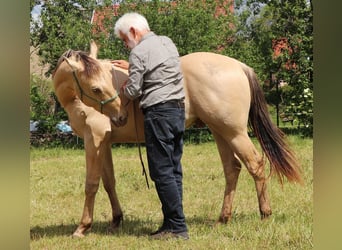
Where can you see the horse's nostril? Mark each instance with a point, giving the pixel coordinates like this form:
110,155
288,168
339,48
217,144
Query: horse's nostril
123,118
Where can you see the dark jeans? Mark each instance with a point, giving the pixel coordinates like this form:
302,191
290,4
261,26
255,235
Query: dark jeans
164,130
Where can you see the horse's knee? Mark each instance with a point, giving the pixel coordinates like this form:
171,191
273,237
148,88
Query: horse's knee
91,188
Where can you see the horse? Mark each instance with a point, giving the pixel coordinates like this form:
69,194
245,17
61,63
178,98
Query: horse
220,91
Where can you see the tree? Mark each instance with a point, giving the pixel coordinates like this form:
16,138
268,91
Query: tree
243,45
287,27
65,24
192,25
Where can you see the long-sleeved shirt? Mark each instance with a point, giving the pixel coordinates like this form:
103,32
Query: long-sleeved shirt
154,71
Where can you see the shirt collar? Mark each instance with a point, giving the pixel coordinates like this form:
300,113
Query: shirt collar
147,35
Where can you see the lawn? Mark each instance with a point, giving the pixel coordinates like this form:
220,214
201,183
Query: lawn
57,179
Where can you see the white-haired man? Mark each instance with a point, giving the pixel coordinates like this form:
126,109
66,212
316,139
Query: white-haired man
155,77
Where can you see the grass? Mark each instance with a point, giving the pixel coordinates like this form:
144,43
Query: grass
57,195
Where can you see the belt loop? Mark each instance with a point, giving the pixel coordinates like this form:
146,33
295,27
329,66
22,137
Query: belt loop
167,104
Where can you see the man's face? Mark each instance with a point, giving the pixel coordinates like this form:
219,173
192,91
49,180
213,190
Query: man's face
129,40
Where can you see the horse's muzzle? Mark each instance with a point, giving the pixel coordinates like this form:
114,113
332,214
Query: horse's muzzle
119,122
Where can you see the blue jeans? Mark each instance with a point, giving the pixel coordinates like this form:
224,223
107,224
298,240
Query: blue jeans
164,130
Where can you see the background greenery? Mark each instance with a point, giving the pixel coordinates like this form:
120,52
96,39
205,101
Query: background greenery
247,35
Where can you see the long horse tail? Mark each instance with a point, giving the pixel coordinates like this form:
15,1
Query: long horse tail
272,140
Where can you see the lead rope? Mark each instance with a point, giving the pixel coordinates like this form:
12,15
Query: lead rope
116,80
139,148
136,134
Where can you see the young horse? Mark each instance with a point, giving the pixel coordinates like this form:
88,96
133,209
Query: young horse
220,91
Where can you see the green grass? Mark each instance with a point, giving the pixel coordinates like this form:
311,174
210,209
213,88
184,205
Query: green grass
57,195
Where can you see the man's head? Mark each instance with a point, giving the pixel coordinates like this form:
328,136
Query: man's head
130,28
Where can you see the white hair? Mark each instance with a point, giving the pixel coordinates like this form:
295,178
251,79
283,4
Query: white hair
128,20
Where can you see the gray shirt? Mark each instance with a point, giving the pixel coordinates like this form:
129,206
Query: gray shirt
154,71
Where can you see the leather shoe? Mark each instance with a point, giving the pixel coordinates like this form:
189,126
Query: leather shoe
164,235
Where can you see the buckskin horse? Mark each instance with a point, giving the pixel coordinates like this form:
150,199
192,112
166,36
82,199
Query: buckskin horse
221,92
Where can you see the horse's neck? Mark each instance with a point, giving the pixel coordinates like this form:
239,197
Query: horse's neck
64,85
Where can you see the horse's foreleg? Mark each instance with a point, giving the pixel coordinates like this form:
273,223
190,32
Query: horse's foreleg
255,164
93,174
109,185
231,168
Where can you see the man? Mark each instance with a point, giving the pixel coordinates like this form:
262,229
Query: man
155,77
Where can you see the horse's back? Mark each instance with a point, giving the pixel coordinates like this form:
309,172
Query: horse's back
211,63
217,89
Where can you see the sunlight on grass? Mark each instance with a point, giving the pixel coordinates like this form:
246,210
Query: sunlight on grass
57,179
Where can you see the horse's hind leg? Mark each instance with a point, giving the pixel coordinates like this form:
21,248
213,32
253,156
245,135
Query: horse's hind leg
109,185
246,151
231,168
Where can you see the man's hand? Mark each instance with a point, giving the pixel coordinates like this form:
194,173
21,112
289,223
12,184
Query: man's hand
120,63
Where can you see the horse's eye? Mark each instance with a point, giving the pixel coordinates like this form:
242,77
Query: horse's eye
96,90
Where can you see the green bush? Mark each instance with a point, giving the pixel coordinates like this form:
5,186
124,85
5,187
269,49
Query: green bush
45,109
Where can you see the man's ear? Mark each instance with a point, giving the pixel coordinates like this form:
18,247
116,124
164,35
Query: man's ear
133,32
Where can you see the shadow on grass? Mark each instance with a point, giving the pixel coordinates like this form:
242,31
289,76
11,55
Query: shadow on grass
133,226
129,226
237,219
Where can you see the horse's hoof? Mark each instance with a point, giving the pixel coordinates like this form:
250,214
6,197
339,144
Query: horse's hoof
117,220
223,219
77,235
265,215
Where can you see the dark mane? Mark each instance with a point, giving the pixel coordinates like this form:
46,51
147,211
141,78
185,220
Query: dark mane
91,65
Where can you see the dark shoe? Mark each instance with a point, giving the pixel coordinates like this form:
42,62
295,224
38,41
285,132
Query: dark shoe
164,235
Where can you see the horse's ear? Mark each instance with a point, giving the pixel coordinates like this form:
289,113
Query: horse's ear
93,49
74,64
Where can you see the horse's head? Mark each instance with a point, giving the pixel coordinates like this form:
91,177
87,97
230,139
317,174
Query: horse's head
96,84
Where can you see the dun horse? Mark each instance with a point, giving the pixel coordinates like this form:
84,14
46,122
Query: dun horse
220,92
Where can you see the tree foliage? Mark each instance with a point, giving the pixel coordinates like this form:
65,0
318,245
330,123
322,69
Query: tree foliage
65,24
287,27
192,25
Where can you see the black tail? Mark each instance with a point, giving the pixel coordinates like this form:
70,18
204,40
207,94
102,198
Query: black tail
272,140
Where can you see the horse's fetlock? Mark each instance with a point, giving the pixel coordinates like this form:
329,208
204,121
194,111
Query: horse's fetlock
117,220
81,229
86,224
224,219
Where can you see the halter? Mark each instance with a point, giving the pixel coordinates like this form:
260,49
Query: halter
82,93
